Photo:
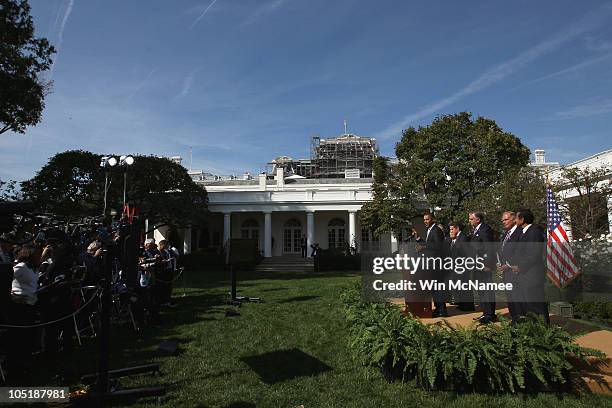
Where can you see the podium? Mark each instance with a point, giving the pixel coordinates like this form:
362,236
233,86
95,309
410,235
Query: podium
418,303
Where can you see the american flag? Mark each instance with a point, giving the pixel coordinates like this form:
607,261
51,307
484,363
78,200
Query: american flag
560,263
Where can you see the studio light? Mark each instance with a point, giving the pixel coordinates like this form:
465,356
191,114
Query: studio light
112,161
126,160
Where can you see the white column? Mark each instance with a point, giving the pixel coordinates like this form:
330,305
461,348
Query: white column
267,234
309,230
187,240
394,246
227,225
610,214
352,237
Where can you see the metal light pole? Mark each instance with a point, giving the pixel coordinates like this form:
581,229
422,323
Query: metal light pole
125,162
106,163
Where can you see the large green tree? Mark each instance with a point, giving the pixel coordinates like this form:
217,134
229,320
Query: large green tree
72,184
444,167
521,188
23,58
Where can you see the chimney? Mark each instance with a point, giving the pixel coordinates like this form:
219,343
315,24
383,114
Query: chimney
280,177
540,156
262,181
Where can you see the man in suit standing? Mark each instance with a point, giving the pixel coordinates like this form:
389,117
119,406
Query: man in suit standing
530,268
459,248
507,252
432,247
481,242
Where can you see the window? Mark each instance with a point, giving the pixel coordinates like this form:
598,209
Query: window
250,229
335,233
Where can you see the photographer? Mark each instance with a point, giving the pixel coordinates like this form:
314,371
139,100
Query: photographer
22,311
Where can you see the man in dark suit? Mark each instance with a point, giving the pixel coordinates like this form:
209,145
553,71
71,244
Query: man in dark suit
459,248
433,247
530,267
508,250
481,242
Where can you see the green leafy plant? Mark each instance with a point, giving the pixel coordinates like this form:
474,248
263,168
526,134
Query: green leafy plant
499,358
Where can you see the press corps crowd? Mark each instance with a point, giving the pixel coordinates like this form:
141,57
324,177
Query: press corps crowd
518,255
45,281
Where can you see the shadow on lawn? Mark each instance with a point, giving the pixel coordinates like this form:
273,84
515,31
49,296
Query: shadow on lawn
282,365
128,347
298,299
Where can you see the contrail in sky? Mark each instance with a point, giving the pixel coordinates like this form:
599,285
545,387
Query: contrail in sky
60,36
197,20
498,72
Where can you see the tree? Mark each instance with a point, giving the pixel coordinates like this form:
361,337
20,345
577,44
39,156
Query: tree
8,191
522,188
584,193
72,184
444,167
23,58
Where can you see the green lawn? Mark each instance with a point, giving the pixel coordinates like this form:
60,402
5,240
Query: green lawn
287,351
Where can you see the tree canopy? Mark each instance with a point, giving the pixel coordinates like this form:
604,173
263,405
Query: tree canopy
23,57
72,184
443,167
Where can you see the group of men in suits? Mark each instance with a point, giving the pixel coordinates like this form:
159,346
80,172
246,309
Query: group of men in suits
519,255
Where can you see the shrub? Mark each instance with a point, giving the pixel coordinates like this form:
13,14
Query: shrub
502,358
338,259
600,311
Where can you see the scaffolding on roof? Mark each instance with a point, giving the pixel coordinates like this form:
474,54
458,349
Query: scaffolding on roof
331,158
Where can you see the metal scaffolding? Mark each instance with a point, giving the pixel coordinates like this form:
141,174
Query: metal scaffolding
331,158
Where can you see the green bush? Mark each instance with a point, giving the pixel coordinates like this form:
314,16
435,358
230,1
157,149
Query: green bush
594,310
338,259
500,358
204,259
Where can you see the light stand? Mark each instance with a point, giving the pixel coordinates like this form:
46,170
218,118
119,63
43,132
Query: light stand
106,163
125,162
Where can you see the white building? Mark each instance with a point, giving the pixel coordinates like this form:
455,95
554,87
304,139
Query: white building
278,212
594,162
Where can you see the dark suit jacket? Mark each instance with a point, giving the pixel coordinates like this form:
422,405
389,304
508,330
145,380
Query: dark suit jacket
482,245
434,242
433,246
530,256
508,252
460,247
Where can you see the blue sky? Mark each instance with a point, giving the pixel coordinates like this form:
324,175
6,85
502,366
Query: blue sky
244,81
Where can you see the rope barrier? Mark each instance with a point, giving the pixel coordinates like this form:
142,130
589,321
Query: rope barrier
11,326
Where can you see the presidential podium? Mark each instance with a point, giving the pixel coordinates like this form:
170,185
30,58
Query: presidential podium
418,303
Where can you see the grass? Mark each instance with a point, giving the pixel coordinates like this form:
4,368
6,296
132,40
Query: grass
289,350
